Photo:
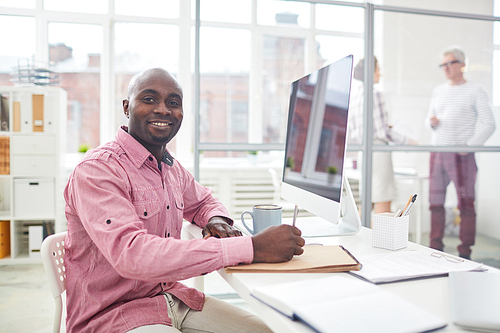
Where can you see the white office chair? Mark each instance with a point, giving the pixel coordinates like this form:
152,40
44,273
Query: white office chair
53,260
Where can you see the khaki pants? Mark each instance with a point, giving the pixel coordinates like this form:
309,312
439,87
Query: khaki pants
217,316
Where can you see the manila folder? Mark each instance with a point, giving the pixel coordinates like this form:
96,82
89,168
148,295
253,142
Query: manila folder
315,259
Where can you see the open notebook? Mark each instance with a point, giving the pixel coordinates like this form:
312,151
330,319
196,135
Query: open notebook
340,303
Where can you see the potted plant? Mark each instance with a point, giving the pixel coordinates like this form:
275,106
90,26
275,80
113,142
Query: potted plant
252,156
290,164
83,148
331,171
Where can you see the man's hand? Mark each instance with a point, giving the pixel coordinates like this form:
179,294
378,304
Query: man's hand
434,121
219,228
277,244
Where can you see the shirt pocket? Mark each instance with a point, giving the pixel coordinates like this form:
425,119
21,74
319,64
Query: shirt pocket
146,210
146,203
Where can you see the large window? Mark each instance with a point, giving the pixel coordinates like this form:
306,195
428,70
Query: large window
17,50
136,49
249,53
18,4
224,86
147,8
410,73
88,6
78,62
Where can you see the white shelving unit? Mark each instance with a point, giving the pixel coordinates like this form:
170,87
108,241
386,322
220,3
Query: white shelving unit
32,183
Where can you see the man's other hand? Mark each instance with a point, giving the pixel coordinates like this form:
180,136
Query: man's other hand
434,121
219,228
277,244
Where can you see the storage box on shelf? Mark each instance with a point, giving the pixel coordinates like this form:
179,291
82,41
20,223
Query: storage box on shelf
32,147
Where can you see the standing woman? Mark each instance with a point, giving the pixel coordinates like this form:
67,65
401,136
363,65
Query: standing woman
383,184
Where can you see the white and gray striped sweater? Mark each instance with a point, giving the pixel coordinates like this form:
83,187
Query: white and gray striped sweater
464,113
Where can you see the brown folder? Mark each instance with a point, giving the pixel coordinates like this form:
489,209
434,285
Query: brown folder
16,109
4,238
315,259
37,113
4,155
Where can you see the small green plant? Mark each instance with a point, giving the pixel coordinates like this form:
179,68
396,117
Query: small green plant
83,148
253,152
290,162
331,170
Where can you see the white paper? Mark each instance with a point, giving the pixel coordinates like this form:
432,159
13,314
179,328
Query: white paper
403,265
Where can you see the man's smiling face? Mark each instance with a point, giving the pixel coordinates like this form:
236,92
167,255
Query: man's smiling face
154,109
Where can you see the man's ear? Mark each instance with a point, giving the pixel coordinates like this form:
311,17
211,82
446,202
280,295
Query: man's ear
125,107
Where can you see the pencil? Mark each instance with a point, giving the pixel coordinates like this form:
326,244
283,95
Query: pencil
409,200
295,213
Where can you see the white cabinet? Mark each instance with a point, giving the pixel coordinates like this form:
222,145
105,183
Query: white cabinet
32,153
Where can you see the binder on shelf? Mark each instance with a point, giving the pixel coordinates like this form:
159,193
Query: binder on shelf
16,112
4,238
4,155
315,259
37,113
4,113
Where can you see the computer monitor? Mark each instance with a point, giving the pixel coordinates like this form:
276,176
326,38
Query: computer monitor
313,176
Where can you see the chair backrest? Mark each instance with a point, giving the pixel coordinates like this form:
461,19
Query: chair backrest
277,185
53,260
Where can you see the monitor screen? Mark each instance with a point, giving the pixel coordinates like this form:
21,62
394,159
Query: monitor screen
316,139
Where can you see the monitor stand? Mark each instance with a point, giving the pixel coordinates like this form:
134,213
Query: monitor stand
349,221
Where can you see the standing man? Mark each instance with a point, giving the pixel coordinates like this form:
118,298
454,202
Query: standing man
125,204
459,115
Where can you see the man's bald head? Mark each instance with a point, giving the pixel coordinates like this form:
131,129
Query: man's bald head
150,74
154,109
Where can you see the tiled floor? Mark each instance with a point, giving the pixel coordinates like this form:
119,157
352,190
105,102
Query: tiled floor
26,304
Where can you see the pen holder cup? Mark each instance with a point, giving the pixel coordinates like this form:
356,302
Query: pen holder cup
389,232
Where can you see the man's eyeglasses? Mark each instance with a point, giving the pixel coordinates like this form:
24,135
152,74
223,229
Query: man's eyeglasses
449,63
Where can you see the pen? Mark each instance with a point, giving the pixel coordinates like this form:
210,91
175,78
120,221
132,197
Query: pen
407,210
295,213
404,209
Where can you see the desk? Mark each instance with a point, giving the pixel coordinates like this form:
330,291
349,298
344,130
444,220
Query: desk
431,294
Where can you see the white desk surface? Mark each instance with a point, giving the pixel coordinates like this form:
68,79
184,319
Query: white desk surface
431,294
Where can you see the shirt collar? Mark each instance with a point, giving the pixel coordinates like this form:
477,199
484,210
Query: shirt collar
167,158
136,151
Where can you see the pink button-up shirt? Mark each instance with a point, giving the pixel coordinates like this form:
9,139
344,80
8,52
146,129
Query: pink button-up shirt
123,247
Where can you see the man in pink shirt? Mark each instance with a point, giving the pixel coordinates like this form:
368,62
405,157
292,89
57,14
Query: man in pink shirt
125,203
